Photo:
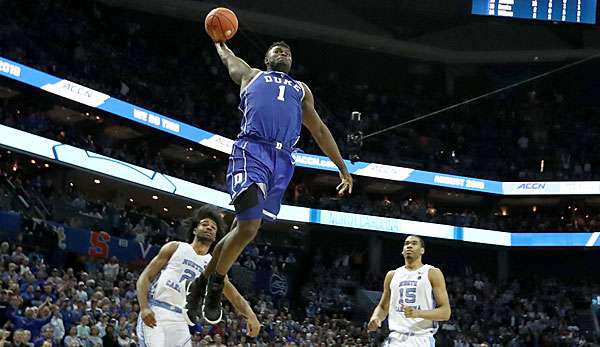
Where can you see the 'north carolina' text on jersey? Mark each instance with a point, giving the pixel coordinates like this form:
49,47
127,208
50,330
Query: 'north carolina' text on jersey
271,104
185,265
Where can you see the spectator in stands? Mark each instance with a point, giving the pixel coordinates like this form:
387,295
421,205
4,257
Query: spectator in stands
83,329
94,340
29,322
111,269
57,325
47,336
72,340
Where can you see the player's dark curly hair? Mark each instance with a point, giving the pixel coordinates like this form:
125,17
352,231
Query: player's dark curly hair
187,226
278,44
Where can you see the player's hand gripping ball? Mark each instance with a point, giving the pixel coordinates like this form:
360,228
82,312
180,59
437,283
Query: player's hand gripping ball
221,24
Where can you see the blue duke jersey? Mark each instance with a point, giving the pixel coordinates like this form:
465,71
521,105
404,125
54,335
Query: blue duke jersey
411,288
271,104
272,119
169,287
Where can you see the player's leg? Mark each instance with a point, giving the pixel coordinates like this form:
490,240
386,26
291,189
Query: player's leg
178,335
150,337
423,341
249,213
249,207
197,289
278,185
166,335
170,330
250,168
395,339
402,340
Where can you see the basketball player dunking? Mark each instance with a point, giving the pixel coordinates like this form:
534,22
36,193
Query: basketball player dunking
274,107
415,298
163,319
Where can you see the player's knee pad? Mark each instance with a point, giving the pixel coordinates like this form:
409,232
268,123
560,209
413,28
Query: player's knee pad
249,205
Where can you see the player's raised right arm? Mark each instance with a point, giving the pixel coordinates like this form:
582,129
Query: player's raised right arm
143,282
382,309
239,71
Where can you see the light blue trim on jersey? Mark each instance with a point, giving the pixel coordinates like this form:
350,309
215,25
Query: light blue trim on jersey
93,98
187,342
140,332
165,305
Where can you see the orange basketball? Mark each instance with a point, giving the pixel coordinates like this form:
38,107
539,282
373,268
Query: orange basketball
221,24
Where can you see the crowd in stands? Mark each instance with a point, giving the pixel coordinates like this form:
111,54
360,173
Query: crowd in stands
263,257
44,305
516,313
51,304
540,131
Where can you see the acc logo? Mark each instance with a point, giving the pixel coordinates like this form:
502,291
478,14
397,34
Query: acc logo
535,186
76,92
395,173
279,285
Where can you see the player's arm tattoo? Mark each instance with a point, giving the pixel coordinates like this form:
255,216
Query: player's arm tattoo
239,71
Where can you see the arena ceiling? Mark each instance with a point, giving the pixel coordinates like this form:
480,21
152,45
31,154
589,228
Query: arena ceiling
430,30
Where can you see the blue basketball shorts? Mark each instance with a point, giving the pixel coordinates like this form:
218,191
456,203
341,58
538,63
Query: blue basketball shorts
267,165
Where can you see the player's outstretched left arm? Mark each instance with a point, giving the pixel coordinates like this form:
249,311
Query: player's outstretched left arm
320,132
442,311
242,307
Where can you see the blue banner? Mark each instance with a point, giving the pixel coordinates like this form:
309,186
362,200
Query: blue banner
103,165
274,284
9,223
93,98
102,245
85,242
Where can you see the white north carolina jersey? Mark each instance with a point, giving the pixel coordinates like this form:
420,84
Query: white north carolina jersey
411,288
185,264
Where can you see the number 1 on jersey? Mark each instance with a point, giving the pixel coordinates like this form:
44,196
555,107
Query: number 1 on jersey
281,93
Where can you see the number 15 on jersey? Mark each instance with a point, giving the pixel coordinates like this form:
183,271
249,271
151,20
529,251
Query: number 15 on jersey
408,295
